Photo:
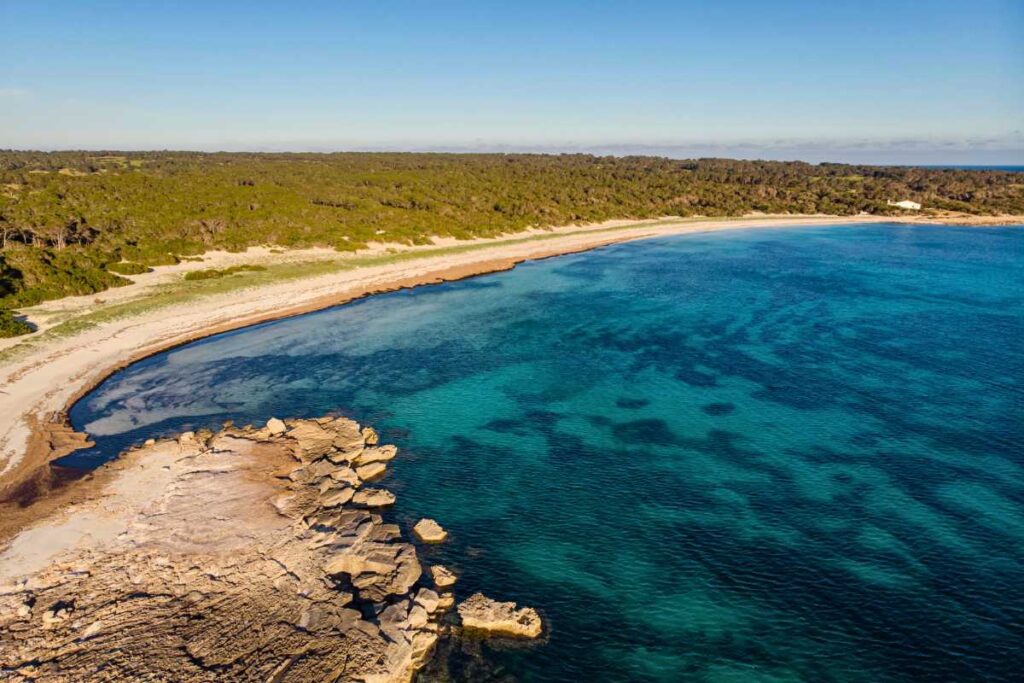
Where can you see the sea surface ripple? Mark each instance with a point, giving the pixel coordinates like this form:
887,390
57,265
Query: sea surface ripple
763,455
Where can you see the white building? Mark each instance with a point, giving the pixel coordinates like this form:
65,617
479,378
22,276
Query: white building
905,204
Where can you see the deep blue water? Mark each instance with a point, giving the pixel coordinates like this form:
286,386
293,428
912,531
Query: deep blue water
767,455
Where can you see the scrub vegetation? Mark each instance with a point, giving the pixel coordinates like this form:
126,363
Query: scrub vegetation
74,223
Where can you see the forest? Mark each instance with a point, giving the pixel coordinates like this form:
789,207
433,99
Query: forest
74,223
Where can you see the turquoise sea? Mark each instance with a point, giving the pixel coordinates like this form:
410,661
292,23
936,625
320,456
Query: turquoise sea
763,455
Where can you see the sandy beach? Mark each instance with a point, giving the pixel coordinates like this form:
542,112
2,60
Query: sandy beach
82,340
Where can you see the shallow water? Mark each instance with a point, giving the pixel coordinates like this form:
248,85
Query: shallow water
768,455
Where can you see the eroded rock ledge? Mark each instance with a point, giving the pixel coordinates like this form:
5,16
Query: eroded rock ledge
242,555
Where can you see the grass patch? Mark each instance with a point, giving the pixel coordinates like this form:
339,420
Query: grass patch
213,273
127,268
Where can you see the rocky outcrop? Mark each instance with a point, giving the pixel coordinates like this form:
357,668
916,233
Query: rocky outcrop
443,577
242,555
481,614
429,531
373,498
275,426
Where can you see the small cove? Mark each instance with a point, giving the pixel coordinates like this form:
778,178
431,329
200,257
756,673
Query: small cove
787,454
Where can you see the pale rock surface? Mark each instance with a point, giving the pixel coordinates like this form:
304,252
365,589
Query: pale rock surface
373,498
218,557
372,471
375,454
429,531
443,577
276,426
480,613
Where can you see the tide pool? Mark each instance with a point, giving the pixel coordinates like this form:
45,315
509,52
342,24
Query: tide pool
759,455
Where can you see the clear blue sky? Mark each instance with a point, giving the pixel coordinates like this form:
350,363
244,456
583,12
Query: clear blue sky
930,81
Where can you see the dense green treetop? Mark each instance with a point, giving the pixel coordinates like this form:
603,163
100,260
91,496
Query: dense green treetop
66,217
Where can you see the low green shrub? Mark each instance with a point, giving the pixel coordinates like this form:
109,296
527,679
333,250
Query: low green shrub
127,268
11,326
213,273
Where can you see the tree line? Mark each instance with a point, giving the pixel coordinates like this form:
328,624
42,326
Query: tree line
71,221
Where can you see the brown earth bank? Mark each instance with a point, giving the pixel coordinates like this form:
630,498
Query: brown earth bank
249,554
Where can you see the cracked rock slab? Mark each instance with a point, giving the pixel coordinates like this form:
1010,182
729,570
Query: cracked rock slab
481,614
197,560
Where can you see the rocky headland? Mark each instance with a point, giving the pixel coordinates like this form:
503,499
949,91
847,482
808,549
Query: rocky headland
249,554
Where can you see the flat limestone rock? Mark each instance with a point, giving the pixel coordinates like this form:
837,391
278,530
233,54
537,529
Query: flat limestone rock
428,599
481,614
347,435
375,454
215,558
335,497
345,474
373,498
378,570
429,531
443,577
372,471
314,440
446,601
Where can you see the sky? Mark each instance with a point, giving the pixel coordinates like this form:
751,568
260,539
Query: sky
889,81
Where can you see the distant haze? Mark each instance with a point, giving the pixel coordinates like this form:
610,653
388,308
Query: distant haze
898,81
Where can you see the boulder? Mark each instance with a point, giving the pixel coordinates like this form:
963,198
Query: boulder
335,497
354,564
371,472
314,440
373,498
375,454
429,531
276,426
346,474
370,436
377,570
443,577
347,436
418,617
480,613
343,457
321,468
428,599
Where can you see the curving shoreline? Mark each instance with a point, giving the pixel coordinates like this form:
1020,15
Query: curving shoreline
43,383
